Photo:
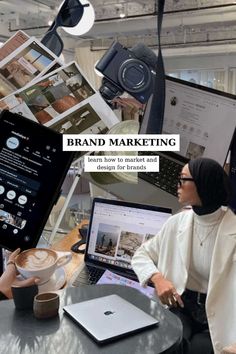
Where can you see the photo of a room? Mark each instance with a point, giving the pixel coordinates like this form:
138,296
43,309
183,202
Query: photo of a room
25,66
56,94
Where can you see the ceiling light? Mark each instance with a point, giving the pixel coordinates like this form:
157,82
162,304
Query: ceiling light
86,22
122,15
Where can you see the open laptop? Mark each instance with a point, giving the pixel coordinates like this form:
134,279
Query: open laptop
108,320
116,229
205,120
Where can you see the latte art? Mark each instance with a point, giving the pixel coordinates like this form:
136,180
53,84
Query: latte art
37,259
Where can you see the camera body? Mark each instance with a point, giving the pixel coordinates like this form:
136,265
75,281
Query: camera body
124,71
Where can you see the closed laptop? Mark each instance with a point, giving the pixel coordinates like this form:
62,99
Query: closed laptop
109,317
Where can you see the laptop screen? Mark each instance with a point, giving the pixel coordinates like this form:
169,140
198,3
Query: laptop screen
118,228
204,118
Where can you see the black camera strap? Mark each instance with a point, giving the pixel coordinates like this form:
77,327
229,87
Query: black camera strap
232,172
154,113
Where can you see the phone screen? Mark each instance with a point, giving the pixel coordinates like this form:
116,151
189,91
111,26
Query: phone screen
32,169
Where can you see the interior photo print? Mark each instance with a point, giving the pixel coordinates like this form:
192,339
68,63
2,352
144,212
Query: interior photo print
24,64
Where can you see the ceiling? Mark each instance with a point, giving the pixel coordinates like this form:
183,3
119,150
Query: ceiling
185,23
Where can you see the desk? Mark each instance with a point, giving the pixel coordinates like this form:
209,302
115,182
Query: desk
21,332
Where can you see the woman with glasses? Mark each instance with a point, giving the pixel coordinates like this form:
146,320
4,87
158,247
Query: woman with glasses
192,260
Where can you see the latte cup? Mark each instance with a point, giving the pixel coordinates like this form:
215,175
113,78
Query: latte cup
40,263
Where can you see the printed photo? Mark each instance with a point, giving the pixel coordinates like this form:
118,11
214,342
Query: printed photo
23,65
194,150
57,95
107,239
129,242
13,43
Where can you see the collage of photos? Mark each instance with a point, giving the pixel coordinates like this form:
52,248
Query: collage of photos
23,65
64,100
119,244
56,94
36,84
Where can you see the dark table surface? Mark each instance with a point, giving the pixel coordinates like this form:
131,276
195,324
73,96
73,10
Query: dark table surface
21,332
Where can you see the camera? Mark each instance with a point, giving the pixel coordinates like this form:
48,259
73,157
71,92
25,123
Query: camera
127,70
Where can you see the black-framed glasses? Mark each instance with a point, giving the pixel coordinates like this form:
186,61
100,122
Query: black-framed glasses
69,15
181,180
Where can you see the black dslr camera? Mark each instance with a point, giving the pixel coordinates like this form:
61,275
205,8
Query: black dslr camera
127,70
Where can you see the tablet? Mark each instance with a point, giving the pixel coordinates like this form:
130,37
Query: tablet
32,169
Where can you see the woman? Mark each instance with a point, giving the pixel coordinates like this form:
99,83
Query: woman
192,261
9,278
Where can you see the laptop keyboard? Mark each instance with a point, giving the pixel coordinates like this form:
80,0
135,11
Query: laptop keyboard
166,179
89,275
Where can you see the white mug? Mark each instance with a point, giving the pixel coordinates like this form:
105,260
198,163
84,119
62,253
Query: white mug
40,263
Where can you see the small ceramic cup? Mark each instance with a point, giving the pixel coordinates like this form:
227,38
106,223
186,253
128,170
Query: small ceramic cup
46,305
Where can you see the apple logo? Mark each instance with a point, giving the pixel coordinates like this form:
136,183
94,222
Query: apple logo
107,313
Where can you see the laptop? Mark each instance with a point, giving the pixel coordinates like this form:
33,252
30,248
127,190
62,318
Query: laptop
108,320
205,120
116,229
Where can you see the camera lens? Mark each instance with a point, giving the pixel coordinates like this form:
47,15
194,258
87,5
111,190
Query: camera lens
134,75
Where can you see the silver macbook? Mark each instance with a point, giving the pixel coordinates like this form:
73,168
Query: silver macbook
111,317
116,229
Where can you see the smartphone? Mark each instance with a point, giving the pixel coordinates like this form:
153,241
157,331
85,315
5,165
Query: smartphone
32,170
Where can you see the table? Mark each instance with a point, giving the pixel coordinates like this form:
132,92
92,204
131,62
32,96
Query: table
21,332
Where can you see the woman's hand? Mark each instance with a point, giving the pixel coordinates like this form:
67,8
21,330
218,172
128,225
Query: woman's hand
166,291
9,277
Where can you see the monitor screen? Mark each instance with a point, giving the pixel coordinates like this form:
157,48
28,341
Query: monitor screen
118,228
203,117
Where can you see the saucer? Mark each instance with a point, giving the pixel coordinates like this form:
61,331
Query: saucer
56,281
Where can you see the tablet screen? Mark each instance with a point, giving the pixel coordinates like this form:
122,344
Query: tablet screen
32,169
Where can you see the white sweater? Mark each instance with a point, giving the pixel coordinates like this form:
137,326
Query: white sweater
170,253
205,228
